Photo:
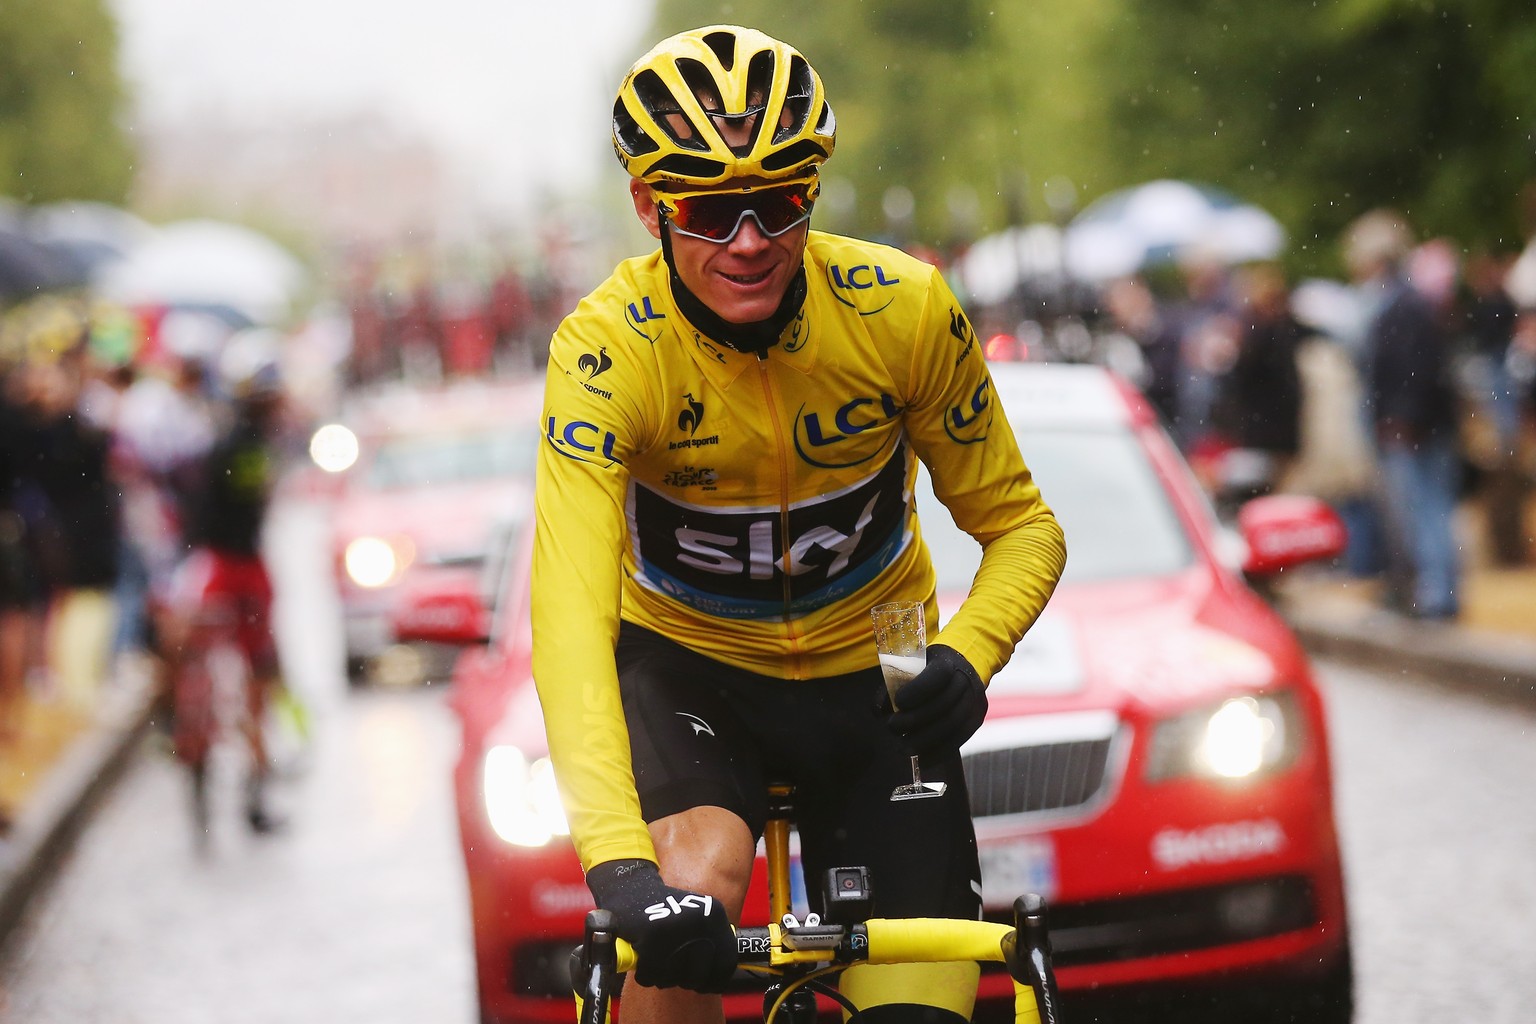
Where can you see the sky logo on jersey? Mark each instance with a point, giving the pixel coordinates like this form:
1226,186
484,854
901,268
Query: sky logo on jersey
821,439
968,422
757,562
643,319
582,441
861,283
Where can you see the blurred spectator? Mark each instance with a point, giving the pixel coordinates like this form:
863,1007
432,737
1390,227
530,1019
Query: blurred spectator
1207,330
1336,459
1133,310
74,520
1412,403
14,574
165,427
1489,326
1258,407
510,308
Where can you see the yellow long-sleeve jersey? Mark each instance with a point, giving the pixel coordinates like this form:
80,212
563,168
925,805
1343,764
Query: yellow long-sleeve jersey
754,508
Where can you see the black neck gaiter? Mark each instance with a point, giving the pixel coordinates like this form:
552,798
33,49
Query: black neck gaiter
753,338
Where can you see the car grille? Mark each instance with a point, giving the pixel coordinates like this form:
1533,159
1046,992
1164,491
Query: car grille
1105,931
1050,763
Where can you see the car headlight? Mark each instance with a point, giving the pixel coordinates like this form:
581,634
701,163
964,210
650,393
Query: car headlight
374,561
333,448
521,801
1237,739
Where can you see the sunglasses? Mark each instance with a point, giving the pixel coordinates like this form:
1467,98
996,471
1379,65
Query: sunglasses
717,216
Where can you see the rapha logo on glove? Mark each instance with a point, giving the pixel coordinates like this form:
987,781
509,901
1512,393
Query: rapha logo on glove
673,905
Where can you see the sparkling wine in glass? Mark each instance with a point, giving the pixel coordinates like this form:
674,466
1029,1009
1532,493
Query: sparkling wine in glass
901,641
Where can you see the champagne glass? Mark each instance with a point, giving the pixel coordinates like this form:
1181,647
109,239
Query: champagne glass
901,639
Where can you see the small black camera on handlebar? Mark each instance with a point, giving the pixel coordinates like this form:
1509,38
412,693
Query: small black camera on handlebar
847,896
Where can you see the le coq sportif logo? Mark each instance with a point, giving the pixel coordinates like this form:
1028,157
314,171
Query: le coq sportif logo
594,365
691,416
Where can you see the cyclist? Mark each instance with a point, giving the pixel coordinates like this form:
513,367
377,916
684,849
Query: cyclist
223,573
724,491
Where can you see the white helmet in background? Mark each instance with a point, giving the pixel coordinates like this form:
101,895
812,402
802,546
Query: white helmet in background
193,335
250,365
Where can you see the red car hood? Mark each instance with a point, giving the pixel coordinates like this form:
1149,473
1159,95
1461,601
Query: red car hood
450,520
1151,642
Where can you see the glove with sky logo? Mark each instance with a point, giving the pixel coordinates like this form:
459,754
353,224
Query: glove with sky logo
682,939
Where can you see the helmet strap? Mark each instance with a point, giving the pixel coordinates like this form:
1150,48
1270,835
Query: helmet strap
753,338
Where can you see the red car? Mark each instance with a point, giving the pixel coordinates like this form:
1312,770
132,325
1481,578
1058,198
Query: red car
1155,759
435,472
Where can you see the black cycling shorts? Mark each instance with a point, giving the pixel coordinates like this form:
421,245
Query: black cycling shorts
703,733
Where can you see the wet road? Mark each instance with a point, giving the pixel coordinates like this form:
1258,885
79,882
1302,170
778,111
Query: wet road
358,913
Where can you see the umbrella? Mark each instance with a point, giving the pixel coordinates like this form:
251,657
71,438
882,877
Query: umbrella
993,268
206,263
93,233
1159,221
28,266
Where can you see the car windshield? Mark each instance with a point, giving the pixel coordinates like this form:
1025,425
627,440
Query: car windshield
1118,519
434,460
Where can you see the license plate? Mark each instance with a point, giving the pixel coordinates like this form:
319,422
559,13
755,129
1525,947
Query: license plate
1013,867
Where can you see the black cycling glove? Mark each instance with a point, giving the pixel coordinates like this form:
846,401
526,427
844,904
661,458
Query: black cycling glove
682,939
942,706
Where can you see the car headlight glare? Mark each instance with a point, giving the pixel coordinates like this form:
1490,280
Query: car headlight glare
373,561
334,448
521,801
1237,739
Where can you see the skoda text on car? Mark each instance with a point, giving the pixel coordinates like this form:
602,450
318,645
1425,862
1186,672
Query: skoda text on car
1155,759
433,472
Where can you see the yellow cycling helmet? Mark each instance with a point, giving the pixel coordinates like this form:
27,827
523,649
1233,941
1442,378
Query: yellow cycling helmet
697,109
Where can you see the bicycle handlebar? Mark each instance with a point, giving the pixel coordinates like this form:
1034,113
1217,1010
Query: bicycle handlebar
1024,948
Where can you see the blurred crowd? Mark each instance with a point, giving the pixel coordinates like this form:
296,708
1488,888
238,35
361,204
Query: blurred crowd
106,419
426,327
1403,396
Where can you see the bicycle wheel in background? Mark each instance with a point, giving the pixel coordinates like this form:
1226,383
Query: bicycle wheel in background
192,732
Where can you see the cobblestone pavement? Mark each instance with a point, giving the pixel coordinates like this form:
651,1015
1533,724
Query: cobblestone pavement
357,913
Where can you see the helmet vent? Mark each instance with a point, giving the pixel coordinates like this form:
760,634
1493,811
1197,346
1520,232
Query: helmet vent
797,100
631,138
668,114
688,168
826,124
724,46
793,155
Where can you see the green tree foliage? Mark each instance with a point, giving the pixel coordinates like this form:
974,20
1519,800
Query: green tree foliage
1316,111
60,97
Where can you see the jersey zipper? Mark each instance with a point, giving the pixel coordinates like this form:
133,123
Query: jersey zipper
770,394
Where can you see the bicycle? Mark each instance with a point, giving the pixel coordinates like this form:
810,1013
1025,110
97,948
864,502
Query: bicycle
213,692
796,956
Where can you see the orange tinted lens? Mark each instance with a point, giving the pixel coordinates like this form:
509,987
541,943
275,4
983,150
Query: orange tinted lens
716,216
